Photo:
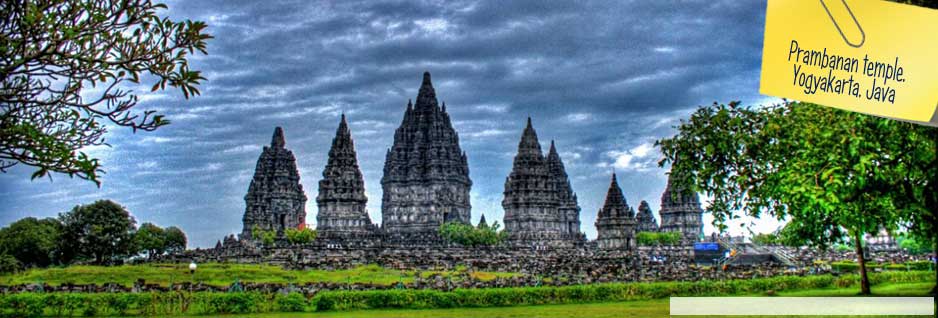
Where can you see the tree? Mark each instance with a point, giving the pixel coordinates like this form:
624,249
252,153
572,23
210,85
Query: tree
51,51
175,239
31,241
828,172
102,231
150,239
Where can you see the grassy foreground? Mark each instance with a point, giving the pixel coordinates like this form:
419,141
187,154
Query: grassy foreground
218,274
212,303
641,308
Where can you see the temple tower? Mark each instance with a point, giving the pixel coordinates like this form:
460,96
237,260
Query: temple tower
275,199
426,174
615,222
532,203
681,212
568,209
646,220
341,198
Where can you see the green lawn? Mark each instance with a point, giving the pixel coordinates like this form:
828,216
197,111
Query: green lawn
642,308
216,274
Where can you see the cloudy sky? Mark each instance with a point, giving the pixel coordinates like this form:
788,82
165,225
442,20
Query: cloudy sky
603,79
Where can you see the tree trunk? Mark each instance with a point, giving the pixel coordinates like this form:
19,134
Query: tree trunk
864,279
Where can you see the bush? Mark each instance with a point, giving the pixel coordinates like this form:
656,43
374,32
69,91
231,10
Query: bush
300,236
292,302
493,297
468,235
658,238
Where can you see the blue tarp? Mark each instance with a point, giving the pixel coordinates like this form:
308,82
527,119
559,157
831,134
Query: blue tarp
706,246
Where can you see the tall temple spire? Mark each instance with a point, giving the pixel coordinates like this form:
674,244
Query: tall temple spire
616,205
681,211
426,97
275,199
529,144
569,208
615,221
538,201
277,141
341,198
426,174
645,218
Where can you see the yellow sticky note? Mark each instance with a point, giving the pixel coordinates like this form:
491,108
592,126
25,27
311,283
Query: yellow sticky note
874,57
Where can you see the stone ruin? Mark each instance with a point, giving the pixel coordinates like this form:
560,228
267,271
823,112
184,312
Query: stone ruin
275,200
426,183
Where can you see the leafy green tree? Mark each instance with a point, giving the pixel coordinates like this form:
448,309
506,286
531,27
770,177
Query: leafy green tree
102,231
150,239
8,264
828,172
33,242
913,245
52,51
657,238
175,239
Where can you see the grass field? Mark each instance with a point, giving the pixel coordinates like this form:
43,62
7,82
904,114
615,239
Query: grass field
217,274
642,308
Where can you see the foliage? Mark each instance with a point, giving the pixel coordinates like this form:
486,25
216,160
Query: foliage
201,303
101,231
292,302
175,239
154,240
766,239
493,297
54,51
223,274
658,238
849,266
468,235
31,241
267,237
150,239
833,175
8,264
913,245
300,236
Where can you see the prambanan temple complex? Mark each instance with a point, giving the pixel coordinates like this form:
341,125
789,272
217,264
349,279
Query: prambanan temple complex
426,184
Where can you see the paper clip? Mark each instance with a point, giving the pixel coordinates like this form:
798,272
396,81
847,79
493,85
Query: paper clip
862,34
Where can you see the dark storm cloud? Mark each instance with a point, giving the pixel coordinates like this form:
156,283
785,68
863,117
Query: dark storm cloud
603,79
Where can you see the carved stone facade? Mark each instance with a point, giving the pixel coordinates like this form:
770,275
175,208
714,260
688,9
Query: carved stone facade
341,197
426,174
275,199
568,208
681,212
646,220
539,203
616,222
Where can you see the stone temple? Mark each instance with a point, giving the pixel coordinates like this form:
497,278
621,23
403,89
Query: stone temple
681,212
426,174
426,183
275,199
646,220
615,222
540,207
341,198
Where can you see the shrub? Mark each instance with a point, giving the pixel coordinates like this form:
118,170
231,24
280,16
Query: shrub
300,236
658,238
493,297
468,235
292,302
